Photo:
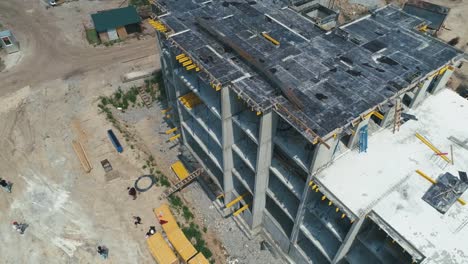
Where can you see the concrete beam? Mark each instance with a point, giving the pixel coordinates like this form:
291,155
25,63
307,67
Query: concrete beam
264,153
348,241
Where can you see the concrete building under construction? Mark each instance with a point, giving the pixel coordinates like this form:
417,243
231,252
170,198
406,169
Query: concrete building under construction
309,132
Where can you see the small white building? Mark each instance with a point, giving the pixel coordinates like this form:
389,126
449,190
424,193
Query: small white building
8,42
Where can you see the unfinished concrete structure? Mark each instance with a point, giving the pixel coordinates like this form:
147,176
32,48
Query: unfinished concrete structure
266,100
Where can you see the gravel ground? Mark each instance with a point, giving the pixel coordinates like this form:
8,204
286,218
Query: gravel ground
238,247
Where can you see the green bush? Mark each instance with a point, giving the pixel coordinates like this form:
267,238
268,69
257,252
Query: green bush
164,181
186,213
92,36
175,201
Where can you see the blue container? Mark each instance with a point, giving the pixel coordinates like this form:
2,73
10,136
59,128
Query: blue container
115,141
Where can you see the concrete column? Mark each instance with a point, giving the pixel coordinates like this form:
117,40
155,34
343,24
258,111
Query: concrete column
322,155
443,79
420,93
227,141
349,239
353,141
264,154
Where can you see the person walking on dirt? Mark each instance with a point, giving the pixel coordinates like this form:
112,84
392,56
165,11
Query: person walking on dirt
6,185
103,251
137,220
19,227
132,192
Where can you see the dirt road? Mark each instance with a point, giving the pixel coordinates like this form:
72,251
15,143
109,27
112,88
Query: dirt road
47,55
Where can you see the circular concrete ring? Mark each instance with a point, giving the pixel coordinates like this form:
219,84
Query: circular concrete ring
144,177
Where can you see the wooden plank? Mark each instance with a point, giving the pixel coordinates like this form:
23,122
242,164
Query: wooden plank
80,152
122,32
103,37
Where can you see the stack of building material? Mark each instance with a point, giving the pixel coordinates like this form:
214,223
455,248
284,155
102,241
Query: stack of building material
190,100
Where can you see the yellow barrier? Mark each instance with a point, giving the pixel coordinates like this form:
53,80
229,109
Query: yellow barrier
199,259
242,209
163,213
160,250
181,244
180,170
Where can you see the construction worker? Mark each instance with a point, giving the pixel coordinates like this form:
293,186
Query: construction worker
137,220
6,185
103,251
19,227
132,192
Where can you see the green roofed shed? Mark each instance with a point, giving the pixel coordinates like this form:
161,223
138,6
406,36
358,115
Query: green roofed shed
115,18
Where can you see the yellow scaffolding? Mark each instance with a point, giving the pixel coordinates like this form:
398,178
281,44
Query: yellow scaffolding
170,131
425,176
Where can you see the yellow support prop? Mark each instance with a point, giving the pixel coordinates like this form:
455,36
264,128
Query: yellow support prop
425,176
337,209
180,56
330,203
432,147
170,131
314,187
174,137
343,216
187,63
316,190
233,202
270,38
242,209
166,110
324,197
311,182
197,69
218,87
259,113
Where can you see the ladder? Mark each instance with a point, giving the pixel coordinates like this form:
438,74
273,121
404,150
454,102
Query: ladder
397,120
179,185
145,96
